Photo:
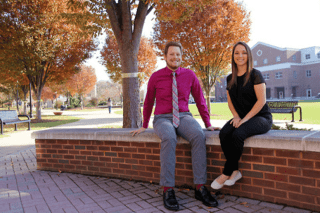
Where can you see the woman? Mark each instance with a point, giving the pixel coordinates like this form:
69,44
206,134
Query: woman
109,104
246,92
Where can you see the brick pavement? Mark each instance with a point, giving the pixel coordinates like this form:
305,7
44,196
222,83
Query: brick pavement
25,189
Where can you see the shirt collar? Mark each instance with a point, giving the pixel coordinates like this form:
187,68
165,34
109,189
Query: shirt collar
177,71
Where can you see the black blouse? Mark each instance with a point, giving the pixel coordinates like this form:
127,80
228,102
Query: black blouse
243,98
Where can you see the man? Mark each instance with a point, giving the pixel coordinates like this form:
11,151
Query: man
171,87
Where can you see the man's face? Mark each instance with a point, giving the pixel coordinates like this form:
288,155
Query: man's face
173,58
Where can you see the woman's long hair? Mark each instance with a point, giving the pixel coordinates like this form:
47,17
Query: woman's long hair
234,66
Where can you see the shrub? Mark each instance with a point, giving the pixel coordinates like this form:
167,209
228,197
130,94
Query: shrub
93,102
58,104
75,102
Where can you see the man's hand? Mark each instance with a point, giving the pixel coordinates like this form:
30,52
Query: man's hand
212,128
138,131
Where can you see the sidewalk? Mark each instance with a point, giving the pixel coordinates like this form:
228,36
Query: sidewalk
25,189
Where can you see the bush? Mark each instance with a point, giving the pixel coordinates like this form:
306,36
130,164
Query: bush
93,102
103,103
58,104
75,102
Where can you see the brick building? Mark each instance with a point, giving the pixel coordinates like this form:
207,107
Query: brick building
289,73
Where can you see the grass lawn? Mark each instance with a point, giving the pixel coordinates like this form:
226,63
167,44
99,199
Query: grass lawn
46,122
220,111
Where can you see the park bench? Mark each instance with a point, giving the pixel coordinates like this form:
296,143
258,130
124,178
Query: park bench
285,107
11,117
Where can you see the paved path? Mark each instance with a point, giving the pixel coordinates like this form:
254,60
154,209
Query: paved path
25,189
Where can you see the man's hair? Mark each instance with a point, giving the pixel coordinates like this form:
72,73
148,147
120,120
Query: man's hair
172,43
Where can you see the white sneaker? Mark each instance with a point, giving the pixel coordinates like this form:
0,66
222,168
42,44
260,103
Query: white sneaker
234,180
216,185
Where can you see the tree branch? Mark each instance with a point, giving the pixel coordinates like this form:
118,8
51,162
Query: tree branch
139,22
115,18
151,8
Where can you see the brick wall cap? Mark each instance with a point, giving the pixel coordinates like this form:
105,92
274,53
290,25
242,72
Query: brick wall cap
274,139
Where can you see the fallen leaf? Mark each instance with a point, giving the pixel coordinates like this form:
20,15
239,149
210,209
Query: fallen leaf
246,206
150,181
244,203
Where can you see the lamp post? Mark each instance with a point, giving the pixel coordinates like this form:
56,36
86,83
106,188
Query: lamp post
56,101
30,101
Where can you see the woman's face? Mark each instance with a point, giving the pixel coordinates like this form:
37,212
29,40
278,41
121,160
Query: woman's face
240,55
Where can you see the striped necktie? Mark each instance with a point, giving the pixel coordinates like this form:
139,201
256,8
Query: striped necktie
175,106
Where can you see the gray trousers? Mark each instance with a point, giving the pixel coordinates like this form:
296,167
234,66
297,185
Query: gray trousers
190,130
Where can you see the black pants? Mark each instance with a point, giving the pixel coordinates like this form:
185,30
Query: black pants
232,139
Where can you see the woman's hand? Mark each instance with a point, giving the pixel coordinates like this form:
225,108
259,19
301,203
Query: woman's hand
138,131
212,128
242,121
235,122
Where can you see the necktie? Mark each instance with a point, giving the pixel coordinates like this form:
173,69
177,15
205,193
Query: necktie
175,106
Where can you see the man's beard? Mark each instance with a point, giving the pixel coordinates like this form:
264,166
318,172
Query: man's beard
172,67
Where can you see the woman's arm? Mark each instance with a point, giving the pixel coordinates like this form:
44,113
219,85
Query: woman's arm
236,119
260,90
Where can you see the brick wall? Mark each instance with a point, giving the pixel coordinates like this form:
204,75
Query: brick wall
273,175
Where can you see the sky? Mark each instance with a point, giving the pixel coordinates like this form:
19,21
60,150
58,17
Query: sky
281,23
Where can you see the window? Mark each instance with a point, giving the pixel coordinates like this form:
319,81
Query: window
294,57
295,74
308,73
259,52
278,75
278,59
307,56
265,61
266,76
255,63
309,93
318,55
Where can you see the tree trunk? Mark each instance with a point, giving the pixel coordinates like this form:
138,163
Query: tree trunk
207,91
17,100
25,105
81,100
130,87
38,107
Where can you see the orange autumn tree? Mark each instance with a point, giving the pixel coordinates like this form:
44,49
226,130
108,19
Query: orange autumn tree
147,59
207,39
17,83
126,20
82,82
36,39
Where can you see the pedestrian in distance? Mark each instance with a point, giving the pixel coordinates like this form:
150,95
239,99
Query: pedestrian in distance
171,88
109,104
246,95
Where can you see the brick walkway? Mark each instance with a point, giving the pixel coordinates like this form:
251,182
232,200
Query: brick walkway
24,189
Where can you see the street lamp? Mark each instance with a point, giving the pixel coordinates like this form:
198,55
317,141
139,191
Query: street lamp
56,101
30,101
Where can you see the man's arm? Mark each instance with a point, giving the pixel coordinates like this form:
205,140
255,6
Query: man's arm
200,101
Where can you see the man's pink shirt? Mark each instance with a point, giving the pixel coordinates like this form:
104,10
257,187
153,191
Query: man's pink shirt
160,89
